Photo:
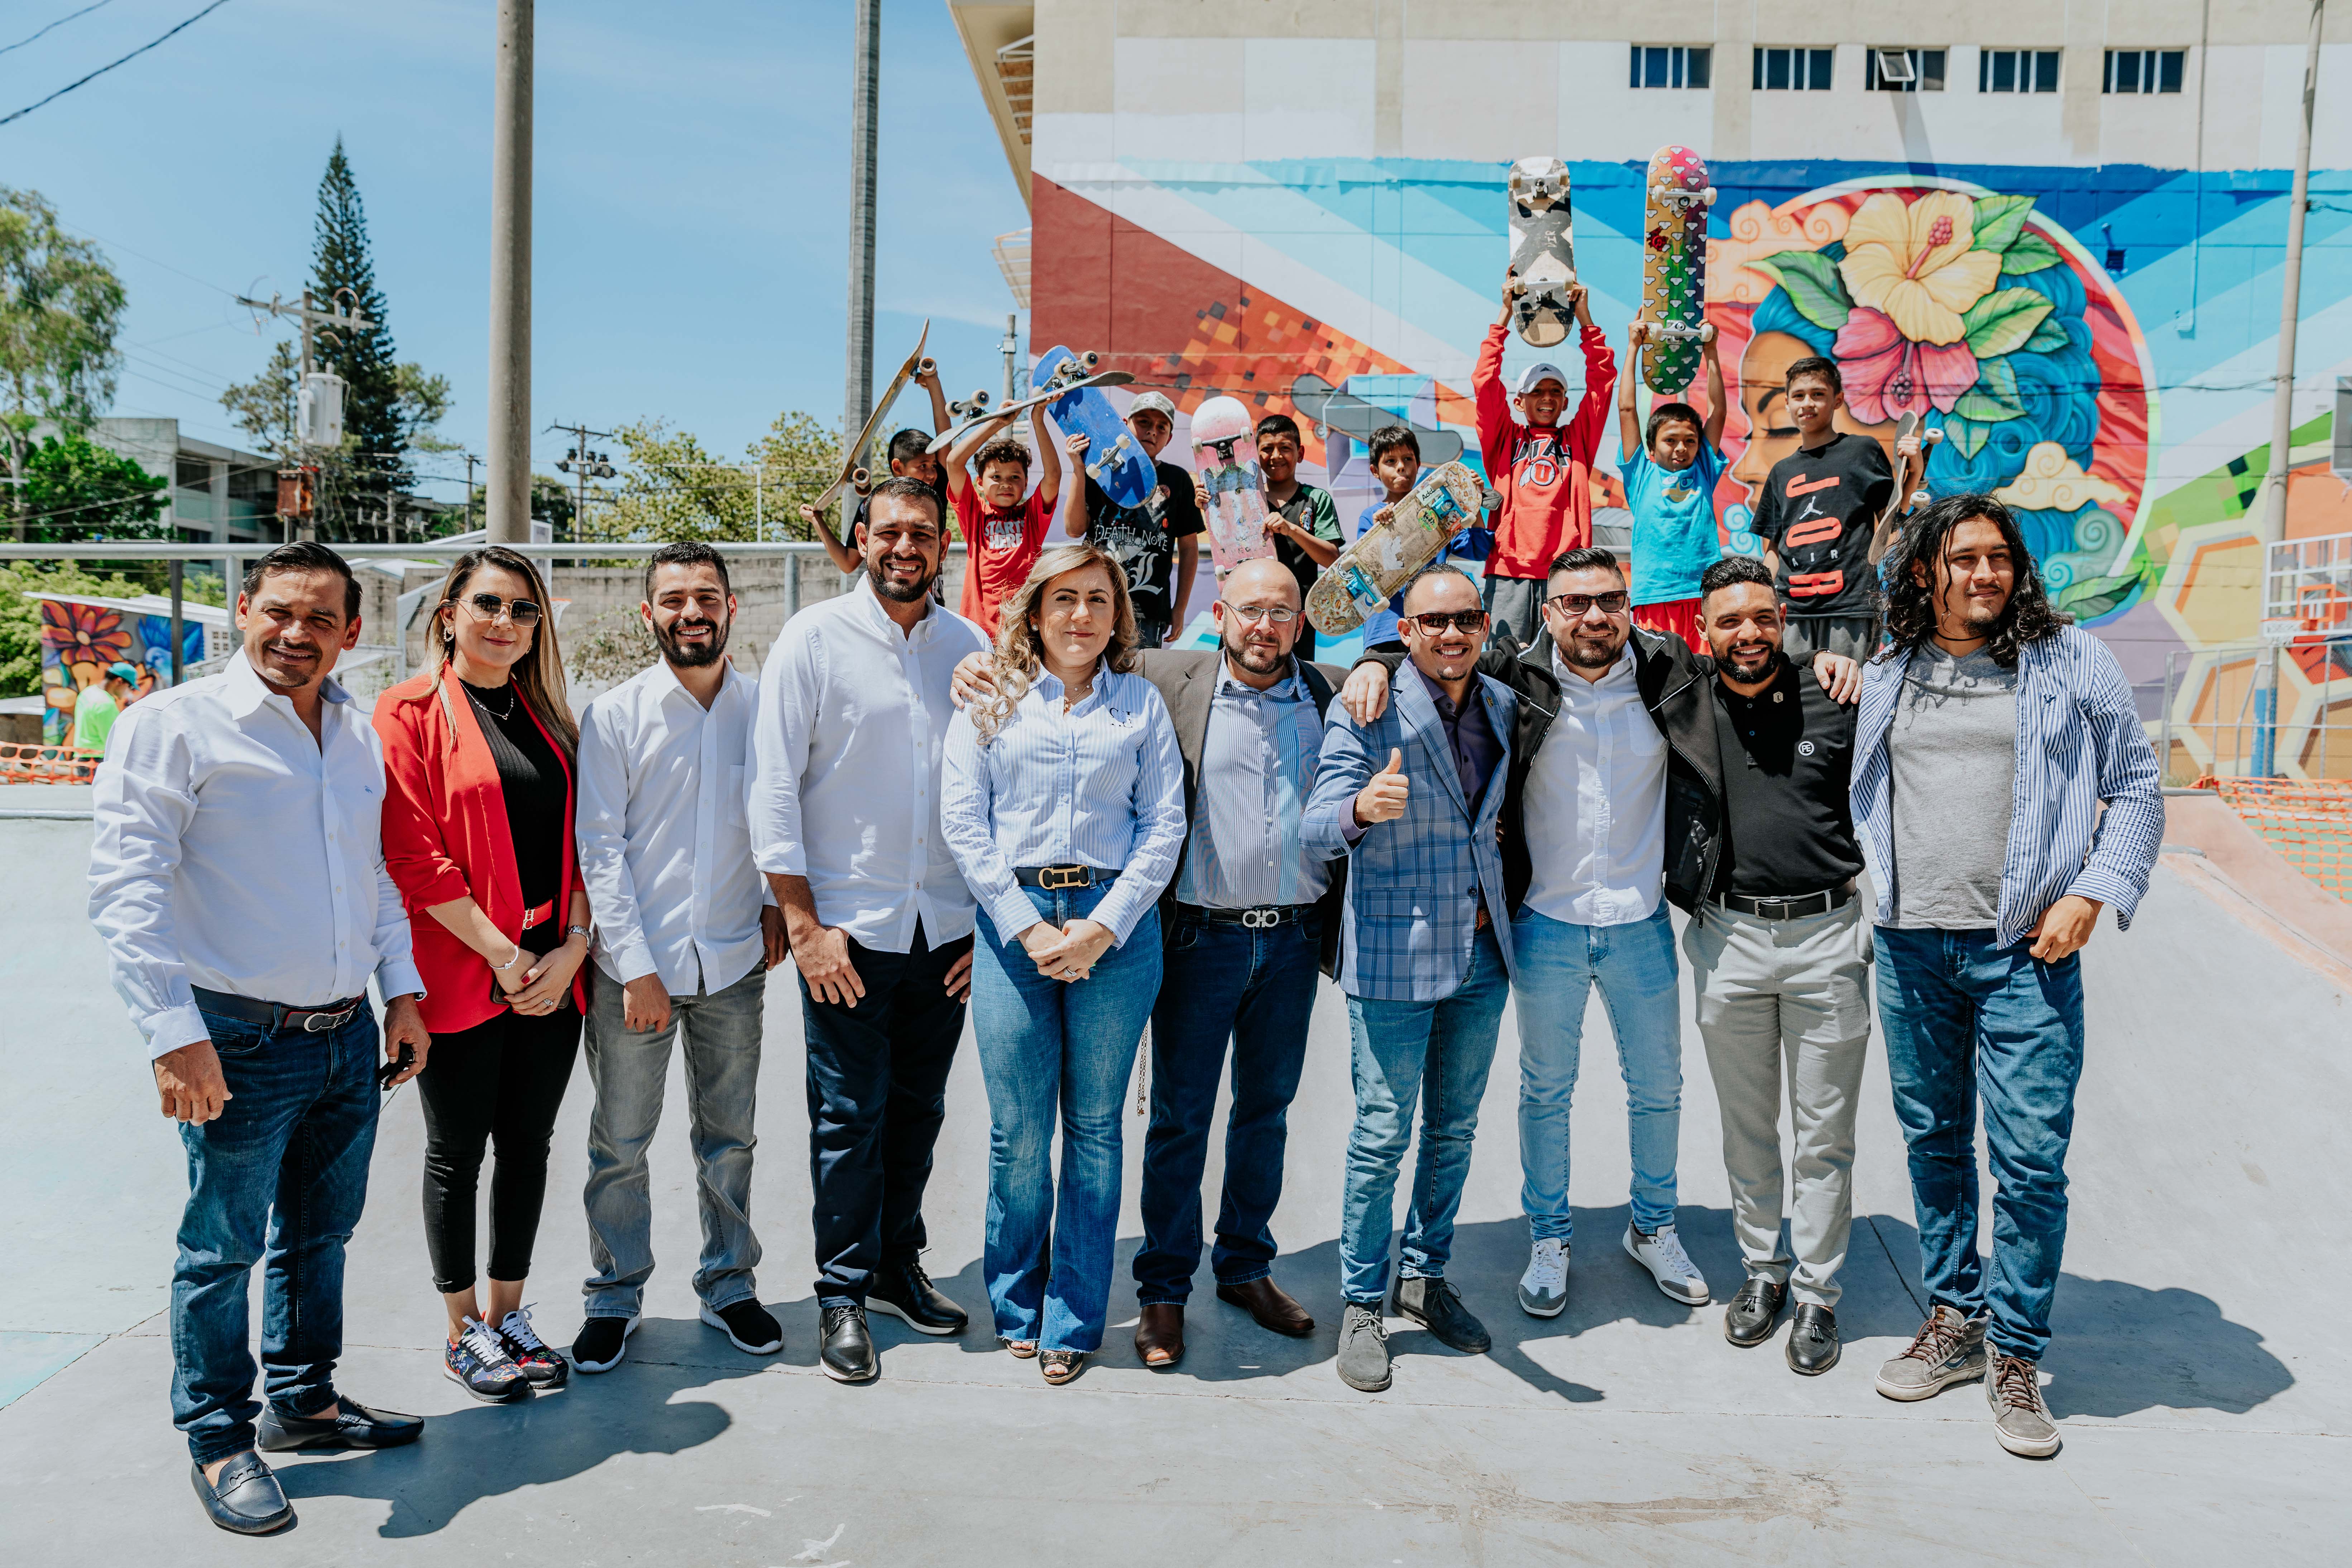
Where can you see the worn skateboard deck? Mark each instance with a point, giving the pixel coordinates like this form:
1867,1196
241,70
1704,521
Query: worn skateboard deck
855,452
1332,409
1225,454
1543,249
1368,573
1910,480
1115,459
1673,270
980,416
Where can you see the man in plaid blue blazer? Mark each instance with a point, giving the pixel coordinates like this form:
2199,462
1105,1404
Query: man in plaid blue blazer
1412,798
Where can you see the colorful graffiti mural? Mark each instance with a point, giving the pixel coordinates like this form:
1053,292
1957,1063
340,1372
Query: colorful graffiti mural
81,635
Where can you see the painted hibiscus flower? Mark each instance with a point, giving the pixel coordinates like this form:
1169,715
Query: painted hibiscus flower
1913,262
1888,375
84,633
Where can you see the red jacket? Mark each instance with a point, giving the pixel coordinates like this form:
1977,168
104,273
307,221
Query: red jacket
446,837
1546,492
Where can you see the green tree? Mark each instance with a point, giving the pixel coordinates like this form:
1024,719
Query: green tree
676,490
60,307
76,489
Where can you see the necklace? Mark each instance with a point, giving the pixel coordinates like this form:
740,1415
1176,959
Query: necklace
476,693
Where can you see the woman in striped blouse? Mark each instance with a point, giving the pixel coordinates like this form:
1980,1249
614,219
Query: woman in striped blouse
1062,800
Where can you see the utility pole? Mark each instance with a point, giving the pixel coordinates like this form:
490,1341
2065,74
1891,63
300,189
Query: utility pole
470,461
1012,346
864,83
585,465
2274,524
508,520
305,519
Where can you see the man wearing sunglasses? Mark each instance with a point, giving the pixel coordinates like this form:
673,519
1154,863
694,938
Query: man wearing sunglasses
1614,799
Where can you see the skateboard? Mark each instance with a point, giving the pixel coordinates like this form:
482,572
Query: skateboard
851,455
1673,270
1368,573
1332,409
1077,376
1543,250
1225,454
1910,482
1115,459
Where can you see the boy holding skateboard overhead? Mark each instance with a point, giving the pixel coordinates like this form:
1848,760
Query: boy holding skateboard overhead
1003,532
1816,519
1147,541
1543,471
1395,454
1302,521
910,458
1671,469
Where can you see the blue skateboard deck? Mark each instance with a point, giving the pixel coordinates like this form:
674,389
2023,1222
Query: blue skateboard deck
1115,459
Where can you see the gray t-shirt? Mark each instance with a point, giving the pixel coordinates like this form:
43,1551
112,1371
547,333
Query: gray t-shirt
1953,749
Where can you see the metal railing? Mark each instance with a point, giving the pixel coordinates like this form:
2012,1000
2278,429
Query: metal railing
2210,714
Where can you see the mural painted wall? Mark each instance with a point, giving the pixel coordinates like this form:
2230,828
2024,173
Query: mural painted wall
81,635
2095,346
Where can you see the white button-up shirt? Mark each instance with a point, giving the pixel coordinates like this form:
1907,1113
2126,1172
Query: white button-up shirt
665,838
1596,803
852,713
234,852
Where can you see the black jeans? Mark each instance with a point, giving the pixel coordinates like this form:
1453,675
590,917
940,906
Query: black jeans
499,1084
877,1081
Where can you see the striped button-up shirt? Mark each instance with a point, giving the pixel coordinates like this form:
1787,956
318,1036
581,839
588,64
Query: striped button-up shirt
1257,768
2080,743
1100,785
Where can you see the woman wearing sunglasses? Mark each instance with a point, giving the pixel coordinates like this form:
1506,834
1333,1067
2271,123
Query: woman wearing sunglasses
477,760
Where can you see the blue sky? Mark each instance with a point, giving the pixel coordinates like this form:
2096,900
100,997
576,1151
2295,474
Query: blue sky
692,173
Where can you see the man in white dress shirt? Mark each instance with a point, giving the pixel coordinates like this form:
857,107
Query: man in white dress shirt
853,711
684,937
237,877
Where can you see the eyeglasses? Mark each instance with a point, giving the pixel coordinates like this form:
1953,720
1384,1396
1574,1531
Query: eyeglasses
1278,615
1574,604
1460,620
489,607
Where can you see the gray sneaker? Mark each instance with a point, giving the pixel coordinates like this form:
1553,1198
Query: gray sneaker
1947,1349
2021,1422
1363,1349
1543,1289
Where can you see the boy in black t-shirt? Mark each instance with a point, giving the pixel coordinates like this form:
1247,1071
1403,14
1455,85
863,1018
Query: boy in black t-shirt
1146,540
1816,518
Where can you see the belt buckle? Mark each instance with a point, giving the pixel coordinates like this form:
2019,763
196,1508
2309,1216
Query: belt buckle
1053,879
323,1023
1261,919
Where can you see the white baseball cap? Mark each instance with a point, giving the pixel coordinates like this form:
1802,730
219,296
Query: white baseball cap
1538,373
1153,402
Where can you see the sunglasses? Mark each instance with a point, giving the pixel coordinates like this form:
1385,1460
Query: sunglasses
1574,604
489,607
1460,620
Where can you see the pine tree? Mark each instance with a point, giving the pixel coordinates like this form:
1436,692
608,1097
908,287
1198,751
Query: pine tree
376,422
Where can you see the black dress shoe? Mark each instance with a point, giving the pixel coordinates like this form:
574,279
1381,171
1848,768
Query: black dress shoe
353,1426
1437,1306
844,1349
247,1499
1813,1340
907,1293
1750,1318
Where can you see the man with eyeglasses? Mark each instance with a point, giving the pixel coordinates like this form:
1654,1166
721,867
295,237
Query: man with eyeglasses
1610,804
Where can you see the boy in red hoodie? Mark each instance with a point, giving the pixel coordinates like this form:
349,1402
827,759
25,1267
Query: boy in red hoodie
1543,471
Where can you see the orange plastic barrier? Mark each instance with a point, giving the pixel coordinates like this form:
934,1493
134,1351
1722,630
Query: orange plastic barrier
2307,821
21,764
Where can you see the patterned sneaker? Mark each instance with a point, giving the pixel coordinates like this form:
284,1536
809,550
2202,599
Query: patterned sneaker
1947,1349
2021,1422
539,1361
1663,1255
477,1362
1543,1289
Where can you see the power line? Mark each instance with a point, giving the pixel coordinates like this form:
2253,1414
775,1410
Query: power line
126,59
54,25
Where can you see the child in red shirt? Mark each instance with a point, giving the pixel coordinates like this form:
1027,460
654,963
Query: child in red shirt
1002,534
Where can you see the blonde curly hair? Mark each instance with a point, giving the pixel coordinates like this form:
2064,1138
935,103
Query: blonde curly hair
1016,657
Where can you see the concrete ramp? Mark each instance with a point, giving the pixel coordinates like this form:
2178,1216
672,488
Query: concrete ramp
2199,1366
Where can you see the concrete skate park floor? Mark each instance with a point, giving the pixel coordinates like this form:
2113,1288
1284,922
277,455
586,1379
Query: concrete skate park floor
2198,1365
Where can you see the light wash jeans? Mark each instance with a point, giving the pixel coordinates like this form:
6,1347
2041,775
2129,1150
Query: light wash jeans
1437,1052
1049,1047
630,1072
1634,965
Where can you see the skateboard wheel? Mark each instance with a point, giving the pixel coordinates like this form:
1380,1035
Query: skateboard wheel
927,367
1090,359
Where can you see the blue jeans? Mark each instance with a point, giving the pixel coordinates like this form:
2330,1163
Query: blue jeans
1558,964
1049,1046
278,1178
1967,1022
719,1034
1438,1052
1256,988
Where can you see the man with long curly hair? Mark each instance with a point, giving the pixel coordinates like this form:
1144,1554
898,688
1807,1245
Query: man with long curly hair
1992,732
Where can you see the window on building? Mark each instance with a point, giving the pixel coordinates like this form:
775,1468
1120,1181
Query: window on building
2143,70
1671,66
1902,70
2017,71
1794,71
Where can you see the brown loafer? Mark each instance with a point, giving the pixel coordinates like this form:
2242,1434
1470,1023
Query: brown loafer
1160,1334
1271,1305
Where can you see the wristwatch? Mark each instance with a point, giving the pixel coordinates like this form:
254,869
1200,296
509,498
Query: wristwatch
579,930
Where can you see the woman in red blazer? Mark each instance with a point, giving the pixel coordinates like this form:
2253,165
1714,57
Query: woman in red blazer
477,760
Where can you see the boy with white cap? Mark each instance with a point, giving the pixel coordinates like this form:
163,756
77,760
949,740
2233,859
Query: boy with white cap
1542,470
1146,540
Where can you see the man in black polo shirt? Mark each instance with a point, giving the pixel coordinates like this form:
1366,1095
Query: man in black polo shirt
1779,952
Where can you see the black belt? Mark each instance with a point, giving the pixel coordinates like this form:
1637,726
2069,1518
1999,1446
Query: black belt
1265,917
1804,906
1054,878
275,1016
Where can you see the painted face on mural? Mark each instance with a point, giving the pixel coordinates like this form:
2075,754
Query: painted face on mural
1772,428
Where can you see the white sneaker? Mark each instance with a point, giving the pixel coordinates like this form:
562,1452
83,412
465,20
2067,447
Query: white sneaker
1543,1289
1668,1264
